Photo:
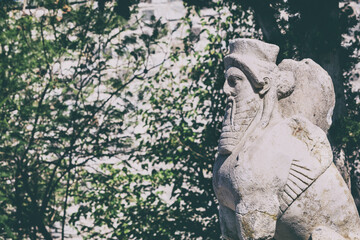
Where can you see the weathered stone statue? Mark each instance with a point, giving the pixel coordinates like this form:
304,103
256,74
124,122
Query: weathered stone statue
274,176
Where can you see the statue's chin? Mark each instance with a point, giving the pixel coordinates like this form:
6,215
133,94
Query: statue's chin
227,142
225,150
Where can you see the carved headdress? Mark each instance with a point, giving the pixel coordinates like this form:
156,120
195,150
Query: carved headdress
255,58
258,62
295,84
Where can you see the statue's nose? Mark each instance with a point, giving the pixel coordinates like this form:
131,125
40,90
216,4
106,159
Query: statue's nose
227,89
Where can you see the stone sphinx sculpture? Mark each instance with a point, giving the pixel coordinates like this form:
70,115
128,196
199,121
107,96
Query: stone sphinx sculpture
274,176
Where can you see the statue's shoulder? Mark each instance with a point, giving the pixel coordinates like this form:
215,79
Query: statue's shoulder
304,171
293,151
307,132
310,135
293,139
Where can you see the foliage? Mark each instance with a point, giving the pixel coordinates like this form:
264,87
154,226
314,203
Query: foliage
58,108
175,155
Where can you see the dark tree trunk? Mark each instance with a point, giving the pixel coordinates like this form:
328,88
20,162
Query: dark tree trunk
319,27
320,40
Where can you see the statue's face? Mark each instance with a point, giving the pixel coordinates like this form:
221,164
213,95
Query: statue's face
237,85
240,111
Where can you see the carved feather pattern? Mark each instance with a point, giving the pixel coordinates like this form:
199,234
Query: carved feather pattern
304,171
299,179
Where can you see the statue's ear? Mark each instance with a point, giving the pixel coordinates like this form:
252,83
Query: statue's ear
269,92
266,84
269,102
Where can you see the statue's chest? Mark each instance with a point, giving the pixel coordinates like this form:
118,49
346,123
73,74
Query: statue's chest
250,171
224,182
223,172
233,177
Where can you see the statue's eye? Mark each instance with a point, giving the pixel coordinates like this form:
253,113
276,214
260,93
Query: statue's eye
233,79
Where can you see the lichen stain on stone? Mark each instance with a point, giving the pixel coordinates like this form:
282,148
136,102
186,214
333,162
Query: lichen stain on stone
273,216
340,180
249,233
297,130
301,133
